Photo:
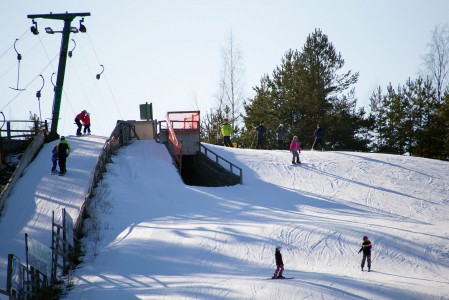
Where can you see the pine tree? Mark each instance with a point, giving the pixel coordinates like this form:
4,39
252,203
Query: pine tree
305,90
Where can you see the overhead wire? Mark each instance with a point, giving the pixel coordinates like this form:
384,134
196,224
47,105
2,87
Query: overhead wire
107,82
89,95
12,45
20,92
13,66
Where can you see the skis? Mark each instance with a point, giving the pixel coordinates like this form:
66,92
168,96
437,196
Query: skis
281,278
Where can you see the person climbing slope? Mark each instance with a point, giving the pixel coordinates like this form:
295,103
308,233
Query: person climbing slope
366,248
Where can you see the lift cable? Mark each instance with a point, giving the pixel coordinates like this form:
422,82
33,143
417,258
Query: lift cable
107,82
15,97
46,53
12,46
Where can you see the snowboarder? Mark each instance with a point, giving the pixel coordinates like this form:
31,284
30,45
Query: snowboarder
279,264
63,152
319,135
78,119
54,158
226,132
86,123
366,248
261,133
280,134
295,149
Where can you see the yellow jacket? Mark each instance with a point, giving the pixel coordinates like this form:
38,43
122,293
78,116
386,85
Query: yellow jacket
226,129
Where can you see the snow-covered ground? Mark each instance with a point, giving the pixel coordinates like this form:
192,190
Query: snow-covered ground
38,194
152,237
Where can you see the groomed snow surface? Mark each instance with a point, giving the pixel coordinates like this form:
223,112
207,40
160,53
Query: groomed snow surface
152,237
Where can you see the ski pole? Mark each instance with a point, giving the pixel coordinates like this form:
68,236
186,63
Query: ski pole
255,133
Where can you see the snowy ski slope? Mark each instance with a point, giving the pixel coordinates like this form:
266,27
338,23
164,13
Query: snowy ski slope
152,237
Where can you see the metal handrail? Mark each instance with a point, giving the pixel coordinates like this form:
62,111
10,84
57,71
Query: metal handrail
217,158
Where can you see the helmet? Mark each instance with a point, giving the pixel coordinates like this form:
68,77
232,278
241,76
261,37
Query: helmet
84,111
88,114
365,237
295,137
225,119
281,125
278,247
62,138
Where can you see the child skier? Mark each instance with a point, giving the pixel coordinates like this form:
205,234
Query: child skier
54,158
279,264
86,122
295,149
366,248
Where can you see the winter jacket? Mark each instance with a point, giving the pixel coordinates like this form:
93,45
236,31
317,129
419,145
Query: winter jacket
63,149
366,247
319,133
278,257
261,131
54,154
281,132
226,129
294,146
81,116
86,120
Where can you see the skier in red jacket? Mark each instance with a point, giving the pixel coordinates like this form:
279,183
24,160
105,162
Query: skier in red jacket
78,120
86,123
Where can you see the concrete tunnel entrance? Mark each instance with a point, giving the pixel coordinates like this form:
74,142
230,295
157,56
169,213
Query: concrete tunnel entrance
197,165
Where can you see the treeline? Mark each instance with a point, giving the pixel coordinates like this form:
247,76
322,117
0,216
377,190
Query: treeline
411,119
311,87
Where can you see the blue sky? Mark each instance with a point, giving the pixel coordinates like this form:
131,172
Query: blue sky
168,52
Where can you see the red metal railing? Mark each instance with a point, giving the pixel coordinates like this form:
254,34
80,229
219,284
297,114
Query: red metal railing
175,145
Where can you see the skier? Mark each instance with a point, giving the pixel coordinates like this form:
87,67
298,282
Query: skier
280,133
226,132
366,248
78,119
261,133
295,149
54,158
63,152
279,264
319,134
86,123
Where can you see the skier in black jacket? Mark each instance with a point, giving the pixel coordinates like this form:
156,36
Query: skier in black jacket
279,264
366,248
63,152
319,135
261,134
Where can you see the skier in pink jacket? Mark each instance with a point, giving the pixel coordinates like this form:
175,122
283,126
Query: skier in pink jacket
295,149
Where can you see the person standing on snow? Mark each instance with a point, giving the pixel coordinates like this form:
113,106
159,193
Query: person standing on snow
261,134
366,248
295,149
279,264
280,134
54,158
78,119
63,152
86,123
319,135
226,132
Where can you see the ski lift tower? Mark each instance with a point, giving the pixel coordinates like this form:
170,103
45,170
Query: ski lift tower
67,18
